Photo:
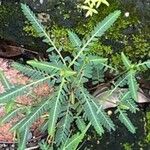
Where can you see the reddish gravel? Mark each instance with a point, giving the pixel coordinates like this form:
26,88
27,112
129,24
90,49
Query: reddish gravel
15,77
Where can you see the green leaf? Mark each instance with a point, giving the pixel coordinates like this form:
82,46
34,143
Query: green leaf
100,62
121,82
81,124
44,146
97,75
75,40
53,117
97,60
55,110
105,119
20,90
9,106
103,26
36,23
4,81
126,121
36,113
145,65
16,126
126,61
23,139
90,110
28,71
73,142
44,66
133,86
98,32
10,115
39,28
64,125
127,100
66,72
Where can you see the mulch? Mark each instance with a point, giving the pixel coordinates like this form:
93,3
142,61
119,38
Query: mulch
7,138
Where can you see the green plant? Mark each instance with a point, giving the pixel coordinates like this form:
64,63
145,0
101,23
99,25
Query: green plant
127,146
139,47
90,4
147,128
70,109
114,41
44,146
29,29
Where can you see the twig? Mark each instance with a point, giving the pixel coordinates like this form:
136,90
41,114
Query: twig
31,148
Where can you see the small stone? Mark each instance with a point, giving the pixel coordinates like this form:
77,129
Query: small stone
29,136
13,145
41,1
98,141
109,112
127,14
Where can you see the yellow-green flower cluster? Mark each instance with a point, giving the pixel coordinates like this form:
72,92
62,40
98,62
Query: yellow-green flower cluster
92,5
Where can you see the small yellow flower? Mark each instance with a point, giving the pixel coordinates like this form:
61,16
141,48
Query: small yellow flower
90,10
101,1
87,1
91,4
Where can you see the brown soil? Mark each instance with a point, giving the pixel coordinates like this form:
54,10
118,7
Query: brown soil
15,77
